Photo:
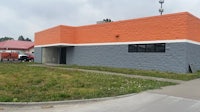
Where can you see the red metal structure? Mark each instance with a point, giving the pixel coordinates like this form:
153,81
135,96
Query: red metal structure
8,56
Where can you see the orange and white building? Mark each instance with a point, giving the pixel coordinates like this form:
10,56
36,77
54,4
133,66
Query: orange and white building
166,43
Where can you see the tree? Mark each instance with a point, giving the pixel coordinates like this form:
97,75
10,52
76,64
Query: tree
6,38
21,38
27,39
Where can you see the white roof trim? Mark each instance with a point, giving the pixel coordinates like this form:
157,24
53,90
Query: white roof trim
121,43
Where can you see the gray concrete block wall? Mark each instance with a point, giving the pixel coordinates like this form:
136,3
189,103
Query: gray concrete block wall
177,57
51,55
193,56
173,60
38,55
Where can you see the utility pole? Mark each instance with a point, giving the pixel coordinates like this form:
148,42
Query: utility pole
161,10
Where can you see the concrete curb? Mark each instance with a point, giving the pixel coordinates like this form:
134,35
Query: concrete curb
21,104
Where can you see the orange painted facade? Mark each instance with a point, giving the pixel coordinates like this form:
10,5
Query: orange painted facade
167,27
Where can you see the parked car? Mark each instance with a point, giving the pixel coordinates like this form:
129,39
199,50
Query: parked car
26,57
30,57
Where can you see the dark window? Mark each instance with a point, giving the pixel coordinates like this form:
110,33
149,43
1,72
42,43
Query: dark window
146,47
141,48
132,48
150,48
160,47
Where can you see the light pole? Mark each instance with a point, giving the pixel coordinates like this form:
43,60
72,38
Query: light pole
161,10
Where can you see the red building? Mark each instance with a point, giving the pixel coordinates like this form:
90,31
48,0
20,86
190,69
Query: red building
15,45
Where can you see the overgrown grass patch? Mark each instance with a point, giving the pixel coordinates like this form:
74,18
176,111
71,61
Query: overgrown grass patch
22,83
167,75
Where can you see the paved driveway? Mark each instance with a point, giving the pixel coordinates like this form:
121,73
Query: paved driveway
181,98
190,89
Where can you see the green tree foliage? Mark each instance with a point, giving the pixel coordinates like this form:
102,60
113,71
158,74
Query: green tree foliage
6,38
23,39
27,39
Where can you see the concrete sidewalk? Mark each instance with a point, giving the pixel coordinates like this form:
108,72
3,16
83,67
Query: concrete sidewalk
180,98
190,89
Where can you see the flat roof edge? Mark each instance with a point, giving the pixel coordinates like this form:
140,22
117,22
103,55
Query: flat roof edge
121,43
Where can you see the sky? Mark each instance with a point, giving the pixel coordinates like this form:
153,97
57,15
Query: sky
25,17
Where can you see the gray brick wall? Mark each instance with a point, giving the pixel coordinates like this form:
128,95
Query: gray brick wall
177,57
193,56
173,60
38,55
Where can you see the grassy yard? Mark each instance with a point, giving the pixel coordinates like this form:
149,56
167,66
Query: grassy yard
184,77
22,83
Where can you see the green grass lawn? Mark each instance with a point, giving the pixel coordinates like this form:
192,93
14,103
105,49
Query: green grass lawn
22,83
184,77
